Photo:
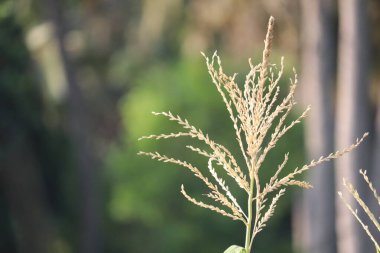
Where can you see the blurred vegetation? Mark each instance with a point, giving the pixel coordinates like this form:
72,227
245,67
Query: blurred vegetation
24,122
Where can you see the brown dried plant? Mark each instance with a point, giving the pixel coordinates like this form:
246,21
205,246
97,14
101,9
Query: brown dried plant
258,116
354,193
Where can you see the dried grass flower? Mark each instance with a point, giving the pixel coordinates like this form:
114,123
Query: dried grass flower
355,194
258,115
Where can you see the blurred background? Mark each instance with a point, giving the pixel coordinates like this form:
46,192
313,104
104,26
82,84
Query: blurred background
78,82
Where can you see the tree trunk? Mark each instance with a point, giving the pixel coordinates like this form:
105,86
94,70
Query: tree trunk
315,232
20,181
83,145
352,115
374,173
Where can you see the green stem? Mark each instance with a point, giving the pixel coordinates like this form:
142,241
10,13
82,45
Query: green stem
249,221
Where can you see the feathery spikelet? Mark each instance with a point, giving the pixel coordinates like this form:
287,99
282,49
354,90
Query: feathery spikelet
257,114
354,193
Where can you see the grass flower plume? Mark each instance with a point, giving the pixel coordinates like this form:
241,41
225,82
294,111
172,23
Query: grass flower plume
258,116
373,217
